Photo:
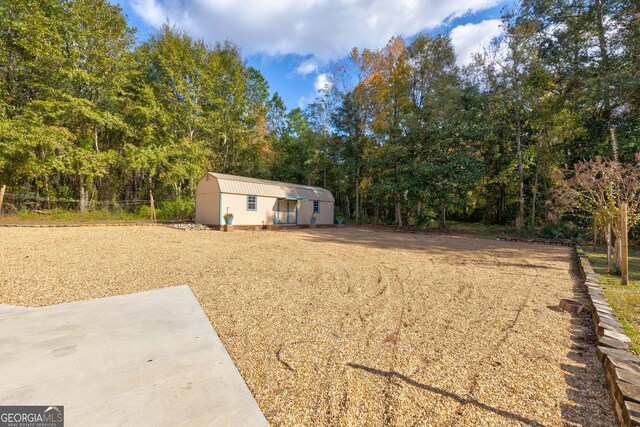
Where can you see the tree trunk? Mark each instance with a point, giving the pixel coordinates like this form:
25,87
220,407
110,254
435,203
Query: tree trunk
617,255
624,244
534,198
501,206
225,144
443,217
324,175
604,60
520,219
324,164
398,214
357,195
535,181
83,195
608,239
348,208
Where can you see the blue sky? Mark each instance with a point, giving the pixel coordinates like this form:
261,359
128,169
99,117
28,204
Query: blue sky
293,42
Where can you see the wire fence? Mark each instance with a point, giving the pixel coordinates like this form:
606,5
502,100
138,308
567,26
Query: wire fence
14,203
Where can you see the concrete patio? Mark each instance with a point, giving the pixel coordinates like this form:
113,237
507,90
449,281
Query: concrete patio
150,358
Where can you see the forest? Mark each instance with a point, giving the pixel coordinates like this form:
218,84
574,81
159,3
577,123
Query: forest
91,117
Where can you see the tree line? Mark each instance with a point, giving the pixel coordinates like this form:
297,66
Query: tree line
401,135
423,138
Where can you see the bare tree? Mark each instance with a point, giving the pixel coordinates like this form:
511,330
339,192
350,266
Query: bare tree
599,186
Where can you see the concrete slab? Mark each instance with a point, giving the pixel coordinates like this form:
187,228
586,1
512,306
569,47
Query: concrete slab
150,358
6,308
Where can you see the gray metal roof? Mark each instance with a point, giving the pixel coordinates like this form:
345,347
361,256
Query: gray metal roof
260,187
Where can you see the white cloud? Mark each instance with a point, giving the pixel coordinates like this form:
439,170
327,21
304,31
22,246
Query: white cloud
322,82
322,29
307,67
303,101
471,38
151,12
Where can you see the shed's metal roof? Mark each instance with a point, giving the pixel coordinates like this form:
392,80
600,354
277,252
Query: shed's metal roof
261,187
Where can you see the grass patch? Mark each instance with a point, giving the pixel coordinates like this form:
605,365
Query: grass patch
554,232
178,210
625,300
476,227
67,216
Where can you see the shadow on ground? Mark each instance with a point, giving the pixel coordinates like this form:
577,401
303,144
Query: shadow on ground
490,253
444,393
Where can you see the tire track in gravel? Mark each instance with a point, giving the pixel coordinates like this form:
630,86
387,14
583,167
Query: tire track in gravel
383,302
474,382
389,396
461,296
363,313
460,299
351,318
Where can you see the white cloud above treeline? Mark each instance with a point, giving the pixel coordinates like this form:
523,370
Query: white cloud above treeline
321,30
322,82
307,67
471,38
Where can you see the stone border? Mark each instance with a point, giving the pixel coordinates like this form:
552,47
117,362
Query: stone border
271,227
542,241
621,366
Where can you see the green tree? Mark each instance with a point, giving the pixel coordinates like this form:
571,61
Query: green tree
294,150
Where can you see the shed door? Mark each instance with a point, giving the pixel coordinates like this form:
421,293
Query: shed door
287,211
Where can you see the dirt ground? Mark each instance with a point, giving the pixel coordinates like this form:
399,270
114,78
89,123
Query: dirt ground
352,326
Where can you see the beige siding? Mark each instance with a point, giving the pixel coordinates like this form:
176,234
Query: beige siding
305,209
207,201
266,207
304,212
237,205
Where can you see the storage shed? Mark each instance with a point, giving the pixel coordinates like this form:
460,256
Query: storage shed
260,202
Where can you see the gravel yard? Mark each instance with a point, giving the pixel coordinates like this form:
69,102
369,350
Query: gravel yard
352,326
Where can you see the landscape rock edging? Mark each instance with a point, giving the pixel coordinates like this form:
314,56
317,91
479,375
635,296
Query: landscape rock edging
621,366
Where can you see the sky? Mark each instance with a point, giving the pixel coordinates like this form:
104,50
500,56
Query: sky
294,42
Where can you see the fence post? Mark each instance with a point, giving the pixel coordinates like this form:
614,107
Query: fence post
624,261
153,207
2,190
609,247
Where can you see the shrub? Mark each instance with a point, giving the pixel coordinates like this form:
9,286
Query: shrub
144,211
181,209
563,230
425,219
9,209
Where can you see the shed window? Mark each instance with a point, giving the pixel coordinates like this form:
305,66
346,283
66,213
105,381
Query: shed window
316,206
252,203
